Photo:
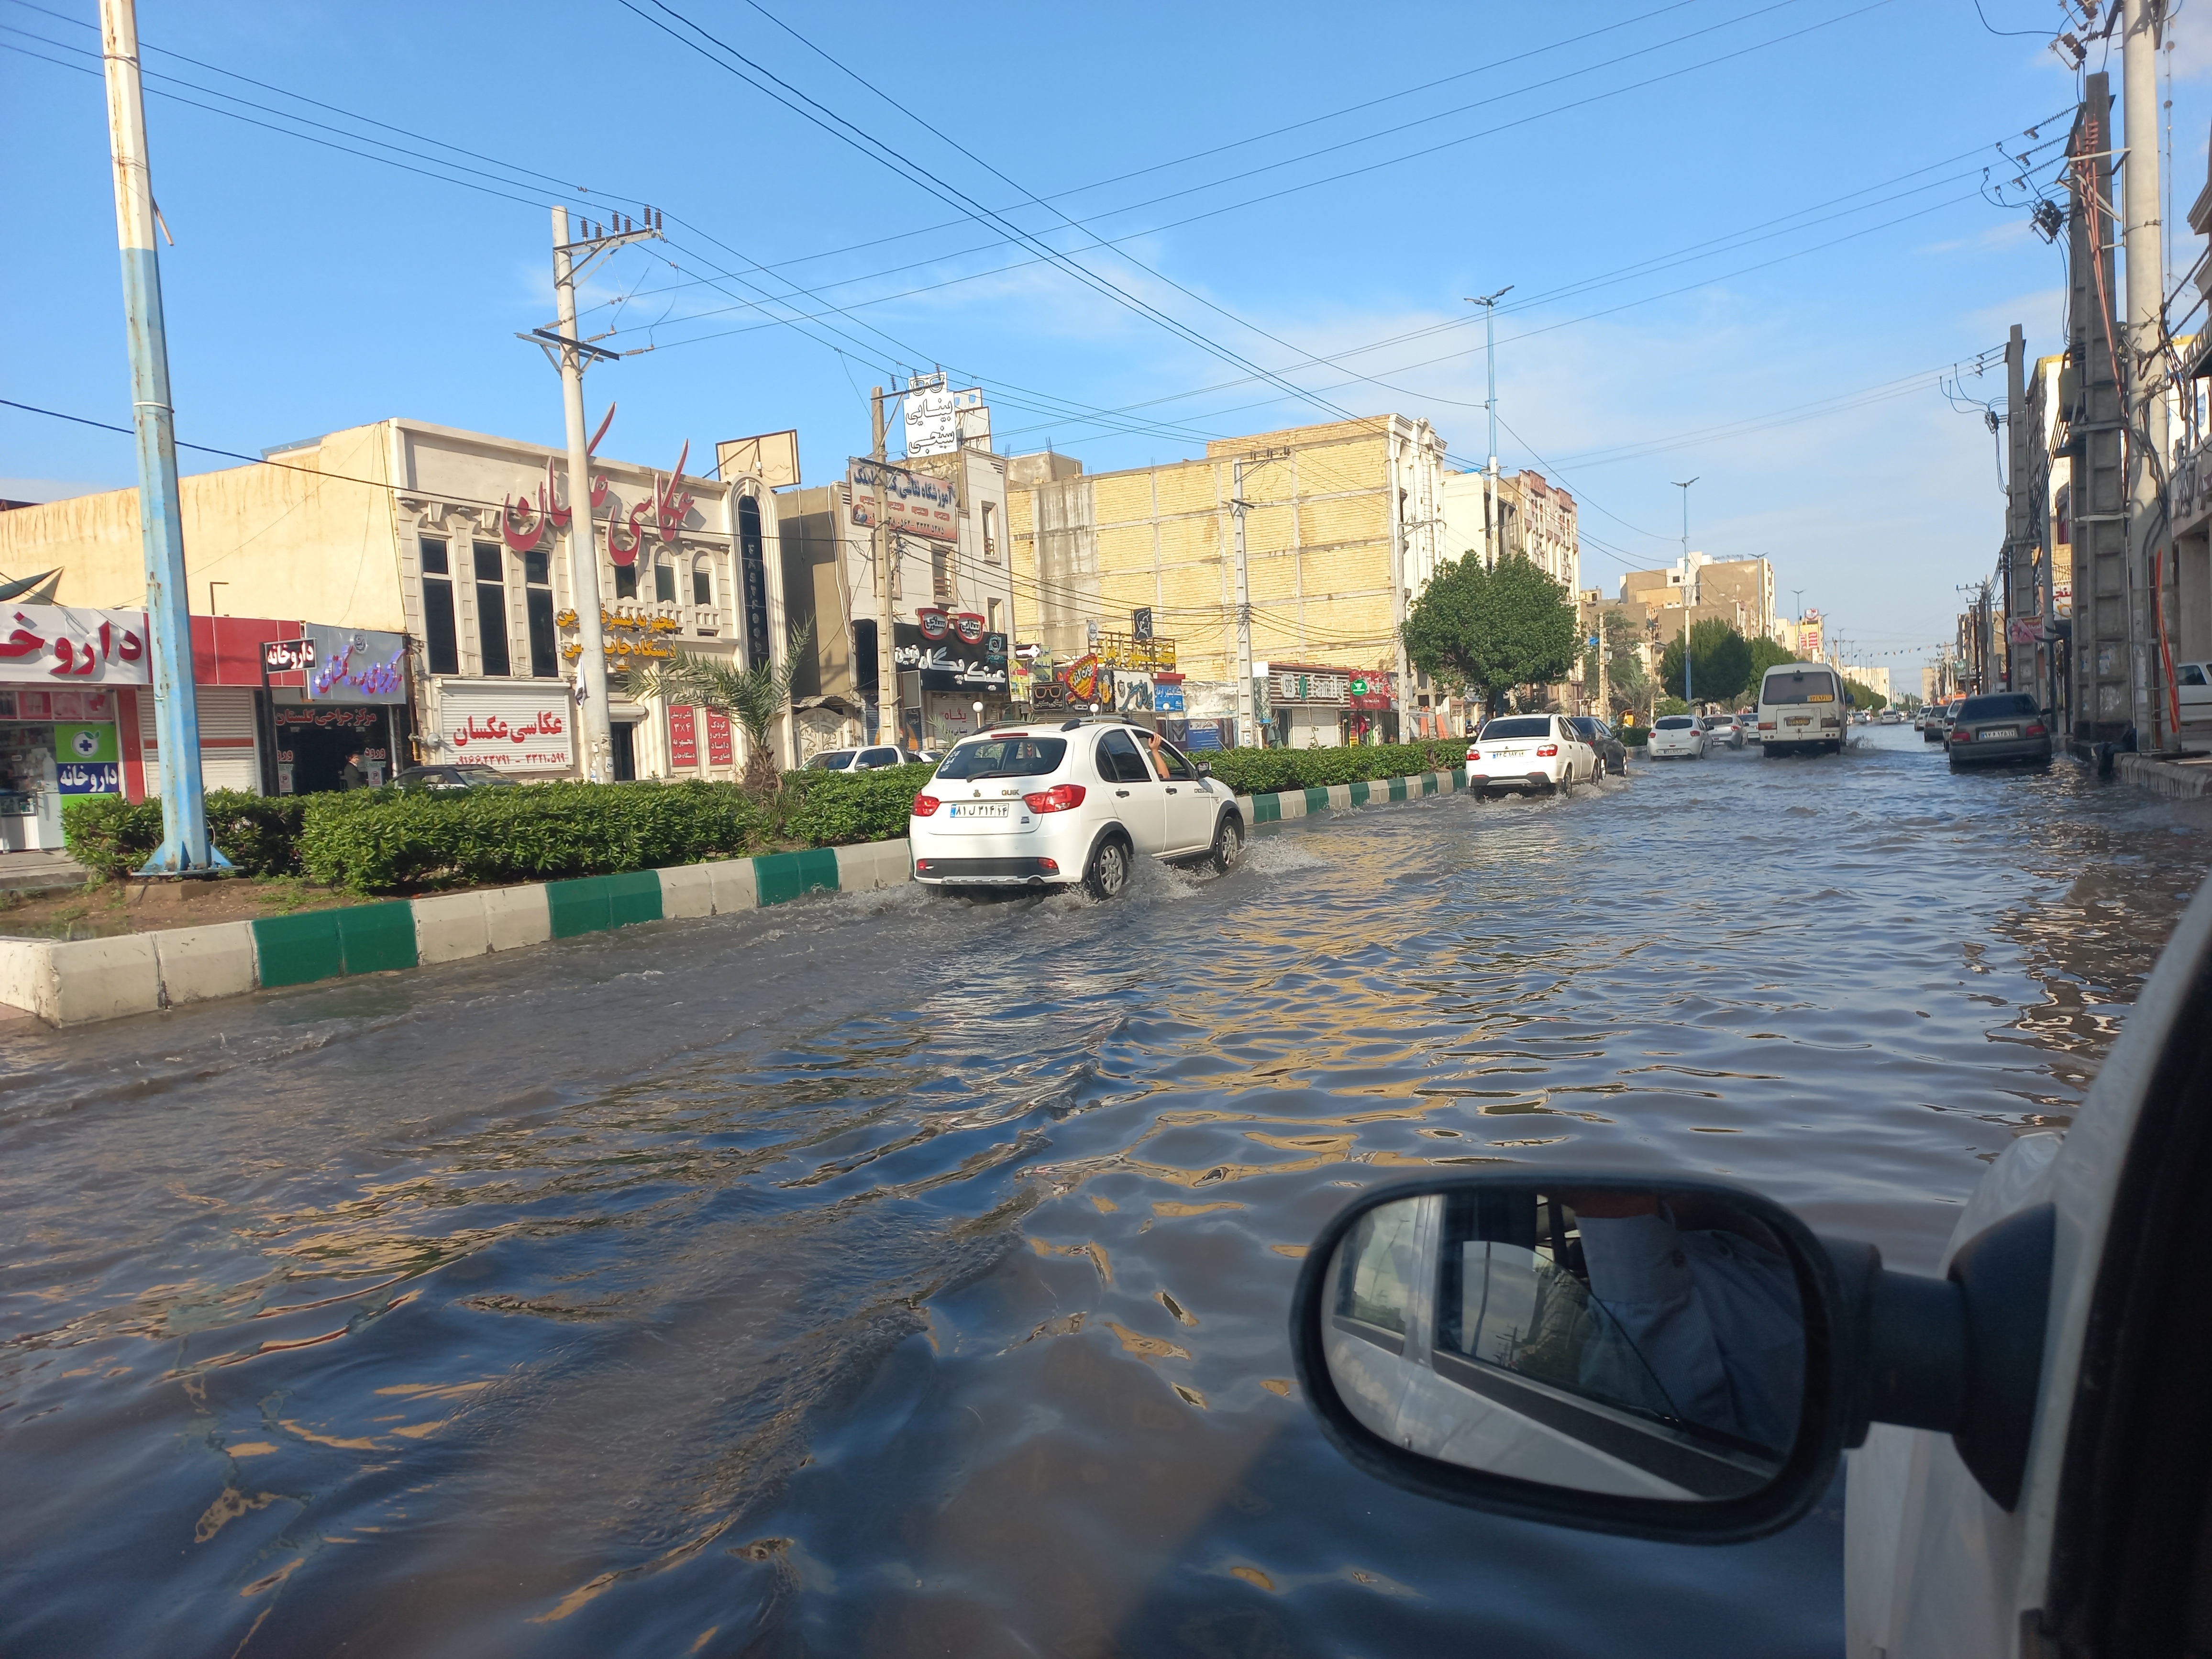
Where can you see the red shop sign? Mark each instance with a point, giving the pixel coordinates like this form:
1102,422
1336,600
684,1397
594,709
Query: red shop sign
682,738
720,751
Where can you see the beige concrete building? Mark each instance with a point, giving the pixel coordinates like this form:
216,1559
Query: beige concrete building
1343,524
1533,518
440,535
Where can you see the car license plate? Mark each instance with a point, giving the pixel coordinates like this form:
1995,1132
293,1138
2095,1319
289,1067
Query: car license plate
986,809
1988,732
1797,719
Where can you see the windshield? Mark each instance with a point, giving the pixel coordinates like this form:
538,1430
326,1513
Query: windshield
1528,726
1671,723
1004,757
1798,685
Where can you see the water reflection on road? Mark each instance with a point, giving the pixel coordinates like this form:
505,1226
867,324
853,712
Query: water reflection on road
889,1276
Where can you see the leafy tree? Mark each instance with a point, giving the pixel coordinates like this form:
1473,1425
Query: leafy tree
1720,659
1669,705
1484,631
1766,654
1866,697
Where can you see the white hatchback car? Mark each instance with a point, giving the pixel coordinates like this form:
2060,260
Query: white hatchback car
1048,805
1528,752
873,758
1677,736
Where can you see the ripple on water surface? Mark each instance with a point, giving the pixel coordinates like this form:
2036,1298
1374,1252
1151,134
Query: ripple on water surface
892,1275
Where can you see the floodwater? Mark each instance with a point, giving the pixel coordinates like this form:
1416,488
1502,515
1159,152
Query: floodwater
896,1276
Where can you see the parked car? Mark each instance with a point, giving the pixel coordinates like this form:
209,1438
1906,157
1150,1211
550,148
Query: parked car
855,760
1747,720
2193,684
1802,707
1686,1361
1677,736
2004,726
1529,753
1725,728
469,776
1612,753
1052,805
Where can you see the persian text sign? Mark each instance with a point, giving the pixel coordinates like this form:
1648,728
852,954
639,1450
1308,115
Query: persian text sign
683,737
914,502
522,728
720,750
356,666
41,642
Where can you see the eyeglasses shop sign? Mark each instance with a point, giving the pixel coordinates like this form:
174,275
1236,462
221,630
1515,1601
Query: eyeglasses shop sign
517,728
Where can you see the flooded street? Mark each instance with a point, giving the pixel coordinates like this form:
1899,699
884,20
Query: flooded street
886,1274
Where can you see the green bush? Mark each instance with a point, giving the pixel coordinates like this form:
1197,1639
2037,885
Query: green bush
839,809
382,841
1262,771
1634,736
112,838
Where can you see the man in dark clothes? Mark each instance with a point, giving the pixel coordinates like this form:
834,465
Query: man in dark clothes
356,775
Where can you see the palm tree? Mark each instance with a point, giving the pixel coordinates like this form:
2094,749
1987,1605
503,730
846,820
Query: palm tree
754,697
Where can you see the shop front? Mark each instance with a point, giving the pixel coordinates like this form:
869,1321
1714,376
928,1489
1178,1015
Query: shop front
948,664
65,675
351,701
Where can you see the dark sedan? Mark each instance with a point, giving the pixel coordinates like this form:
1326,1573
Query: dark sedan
1612,752
2006,727
468,776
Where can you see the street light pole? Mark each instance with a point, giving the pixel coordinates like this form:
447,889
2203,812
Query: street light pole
1689,588
1490,513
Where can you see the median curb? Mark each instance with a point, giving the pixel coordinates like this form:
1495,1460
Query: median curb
2178,780
80,982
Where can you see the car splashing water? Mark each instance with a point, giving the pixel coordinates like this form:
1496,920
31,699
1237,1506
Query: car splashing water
888,1275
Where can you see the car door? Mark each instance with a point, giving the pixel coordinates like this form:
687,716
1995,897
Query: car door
1135,796
2193,683
1190,803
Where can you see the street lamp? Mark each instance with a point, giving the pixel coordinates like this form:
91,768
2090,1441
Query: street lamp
1689,589
1489,304
978,706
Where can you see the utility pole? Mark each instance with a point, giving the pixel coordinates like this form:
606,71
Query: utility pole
572,354
1689,587
1491,514
2096,416
881,545
1247,712
185,850
2018,572
2144,361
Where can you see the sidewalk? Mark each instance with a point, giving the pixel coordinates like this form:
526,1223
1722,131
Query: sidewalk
39,872
2182,779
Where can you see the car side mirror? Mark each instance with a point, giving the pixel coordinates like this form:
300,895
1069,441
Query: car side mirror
1678,1360
1205,768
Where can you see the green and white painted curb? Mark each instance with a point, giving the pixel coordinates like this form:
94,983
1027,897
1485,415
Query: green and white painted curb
83,981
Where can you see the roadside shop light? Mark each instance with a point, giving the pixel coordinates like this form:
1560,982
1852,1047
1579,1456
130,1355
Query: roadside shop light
1060,798
924,805
1548,751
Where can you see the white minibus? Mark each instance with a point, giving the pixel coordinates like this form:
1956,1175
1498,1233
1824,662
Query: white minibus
1802,707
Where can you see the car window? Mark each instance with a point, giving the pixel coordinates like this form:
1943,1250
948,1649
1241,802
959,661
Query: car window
1524,725
879,758
1169,762
1004,757
1373,1286
1797,685
2191,674
836,760
1119,761
1997,707
1673,723
479,774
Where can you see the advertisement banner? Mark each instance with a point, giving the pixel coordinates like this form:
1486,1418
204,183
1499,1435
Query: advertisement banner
354,665
914,502
948,662
683,737
518,727
65,644
86,743
721,746
2024,630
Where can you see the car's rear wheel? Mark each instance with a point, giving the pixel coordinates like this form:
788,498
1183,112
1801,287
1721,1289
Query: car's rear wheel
1228,842
1108,873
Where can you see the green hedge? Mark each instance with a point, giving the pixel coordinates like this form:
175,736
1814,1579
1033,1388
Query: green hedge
1634,736
839,808
259,834
381,840
1263,771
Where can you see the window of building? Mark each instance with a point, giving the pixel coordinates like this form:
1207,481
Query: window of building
995,610
441,644
990,533
537,597
940,575
491,609
664,580
625,582
702,582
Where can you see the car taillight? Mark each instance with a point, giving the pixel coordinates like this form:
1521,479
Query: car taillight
1048,867
924,805
1964,734
1548,751
1767,725
1475,754
2037,731
1060,798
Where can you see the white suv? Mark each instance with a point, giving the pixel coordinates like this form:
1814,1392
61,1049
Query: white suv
1051,805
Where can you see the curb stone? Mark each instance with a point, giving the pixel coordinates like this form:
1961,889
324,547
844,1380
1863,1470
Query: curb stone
81,982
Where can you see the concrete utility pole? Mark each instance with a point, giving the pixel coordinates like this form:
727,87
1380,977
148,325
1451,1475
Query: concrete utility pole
185,849
1247,711
572,354
881,545
1689,587
2144,362
2095,418
1491,514
2018,523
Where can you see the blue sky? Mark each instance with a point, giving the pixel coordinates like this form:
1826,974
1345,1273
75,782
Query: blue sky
1745,238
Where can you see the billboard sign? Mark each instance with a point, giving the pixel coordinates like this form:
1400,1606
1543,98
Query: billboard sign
354,664
520,727
43,642
932,424
914,502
